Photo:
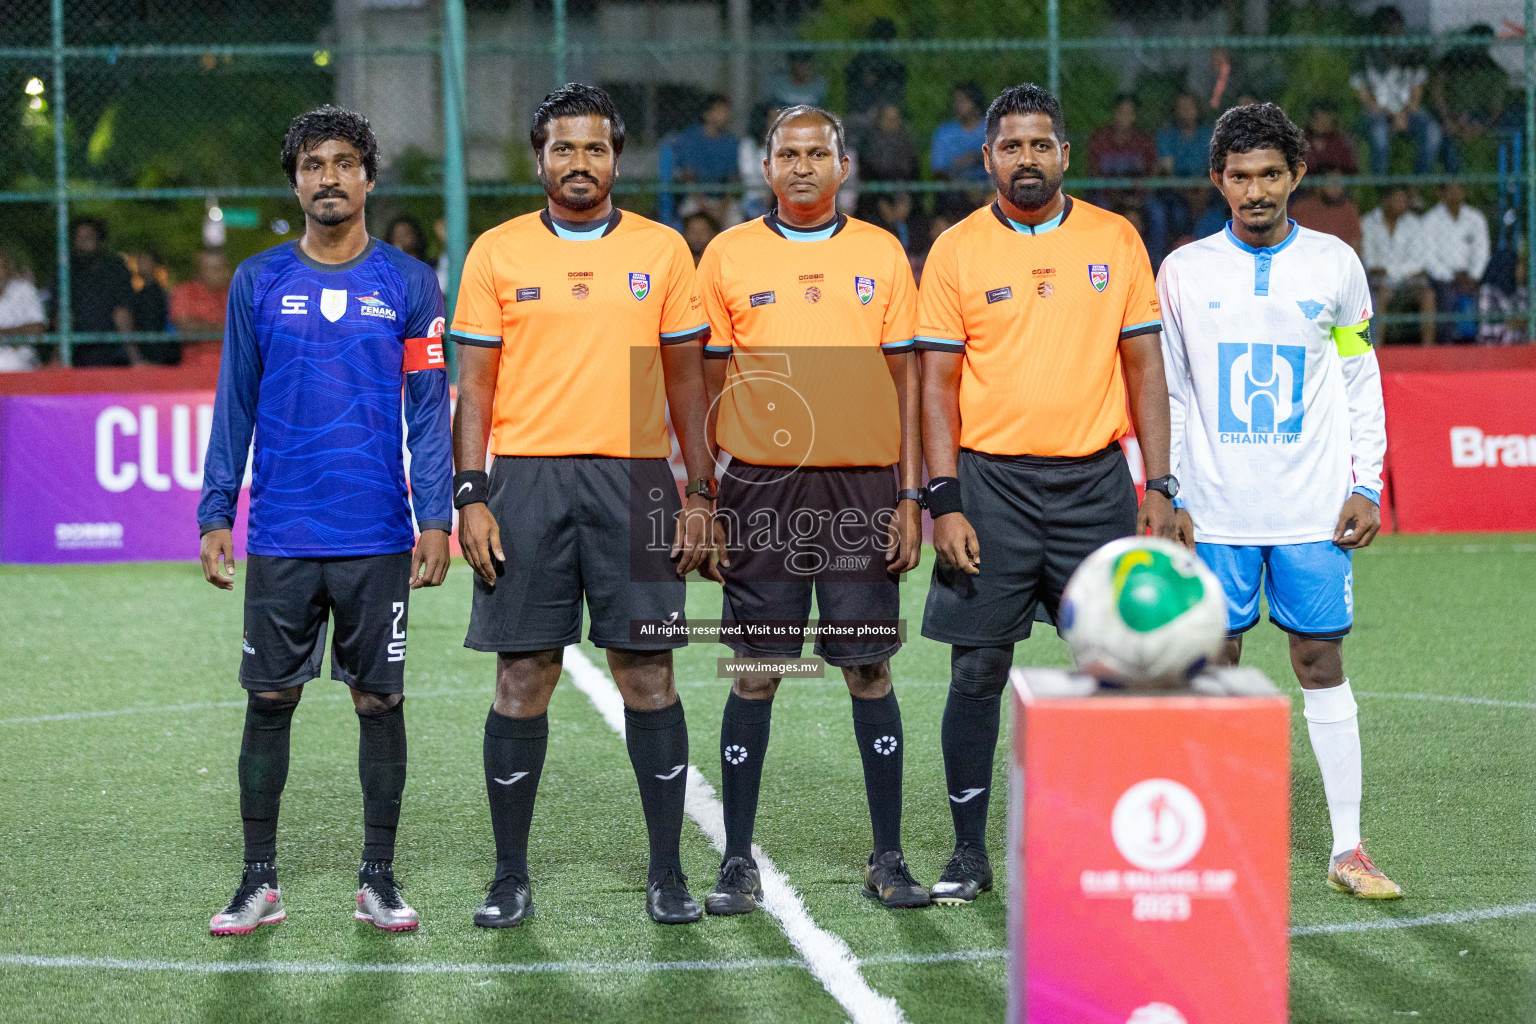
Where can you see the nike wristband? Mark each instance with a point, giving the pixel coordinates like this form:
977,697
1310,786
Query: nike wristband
943,496
471,487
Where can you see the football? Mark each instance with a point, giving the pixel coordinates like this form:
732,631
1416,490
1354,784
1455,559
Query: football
1143,611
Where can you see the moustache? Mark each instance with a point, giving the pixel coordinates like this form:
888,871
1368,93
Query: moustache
578,177
1255,207
328,194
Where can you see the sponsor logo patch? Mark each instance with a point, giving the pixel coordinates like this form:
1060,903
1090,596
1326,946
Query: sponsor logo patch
761,299
999,294
527,294
813,294
372,305
1045,289
1259,392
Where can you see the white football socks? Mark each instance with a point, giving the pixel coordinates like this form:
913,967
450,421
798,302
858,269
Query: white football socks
1334,727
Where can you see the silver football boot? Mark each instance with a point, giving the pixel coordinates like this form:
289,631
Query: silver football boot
379,902
253,906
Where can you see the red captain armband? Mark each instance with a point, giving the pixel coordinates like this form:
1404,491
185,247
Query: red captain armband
426,353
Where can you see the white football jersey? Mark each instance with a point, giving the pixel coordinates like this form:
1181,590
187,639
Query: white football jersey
1276,417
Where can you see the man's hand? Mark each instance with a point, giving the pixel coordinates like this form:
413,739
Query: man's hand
904,548
956,543
1155,516
693,540
480,540
1184,528
431,555
1359,522
217,545
719,554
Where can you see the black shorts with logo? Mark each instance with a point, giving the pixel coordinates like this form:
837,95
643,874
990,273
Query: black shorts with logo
794,529
287,603
581,525
1036,519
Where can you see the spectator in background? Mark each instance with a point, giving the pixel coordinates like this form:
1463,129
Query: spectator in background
802,86
1184,145
1455,257
699,229
100,291
1393,247
1467,90
21,313
875,77
150,307
1391,89
707,155
1329,208
955,152
750,153
198,306
1330,150
887,152
405,233
1120,149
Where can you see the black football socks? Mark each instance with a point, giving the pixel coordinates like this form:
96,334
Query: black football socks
877,727
514,760
978,676
381,769
743,742
263,771
658,749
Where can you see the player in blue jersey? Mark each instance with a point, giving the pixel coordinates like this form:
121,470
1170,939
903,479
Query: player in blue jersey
323,335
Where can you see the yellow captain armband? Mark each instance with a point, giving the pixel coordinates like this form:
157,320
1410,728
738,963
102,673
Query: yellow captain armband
1353,341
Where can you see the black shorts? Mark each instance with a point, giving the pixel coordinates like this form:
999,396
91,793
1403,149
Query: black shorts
791,530
581,525
287,602
1036,519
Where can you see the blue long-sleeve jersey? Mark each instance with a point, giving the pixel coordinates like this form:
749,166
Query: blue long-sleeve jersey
315,356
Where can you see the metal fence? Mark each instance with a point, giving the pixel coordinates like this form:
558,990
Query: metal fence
162,119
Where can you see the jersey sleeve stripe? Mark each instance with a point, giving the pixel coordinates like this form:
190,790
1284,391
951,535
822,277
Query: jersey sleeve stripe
480,340
925,341
691,334
717,351
1150,327
898,346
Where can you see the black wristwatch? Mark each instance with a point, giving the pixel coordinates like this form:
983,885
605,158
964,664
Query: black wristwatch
708,486
919,495
1168,485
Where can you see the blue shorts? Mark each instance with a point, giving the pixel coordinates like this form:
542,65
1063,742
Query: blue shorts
1310,587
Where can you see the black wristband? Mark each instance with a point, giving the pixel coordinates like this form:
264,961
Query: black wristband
943,496
471,486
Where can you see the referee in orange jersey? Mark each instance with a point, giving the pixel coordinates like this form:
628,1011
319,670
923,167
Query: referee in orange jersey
578,326
1038,321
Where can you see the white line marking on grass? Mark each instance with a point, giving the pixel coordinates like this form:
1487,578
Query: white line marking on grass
827,956
438,967
1458,549
1453,699
1394,923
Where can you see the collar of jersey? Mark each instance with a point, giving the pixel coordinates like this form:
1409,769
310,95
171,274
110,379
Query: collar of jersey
1267,250
601,229
817,234
1032,229
332,268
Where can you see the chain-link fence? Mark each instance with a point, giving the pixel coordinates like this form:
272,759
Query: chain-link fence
156,124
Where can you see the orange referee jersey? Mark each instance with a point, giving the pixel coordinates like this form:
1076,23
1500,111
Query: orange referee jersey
1039,315
806,318
579,318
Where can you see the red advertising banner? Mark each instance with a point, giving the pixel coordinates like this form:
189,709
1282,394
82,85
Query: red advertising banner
1149,844
1462,450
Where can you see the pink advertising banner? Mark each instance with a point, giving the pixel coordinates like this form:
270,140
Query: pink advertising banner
104,478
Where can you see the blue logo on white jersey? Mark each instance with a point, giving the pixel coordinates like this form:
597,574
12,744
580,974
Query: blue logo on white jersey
1260,392
1310,308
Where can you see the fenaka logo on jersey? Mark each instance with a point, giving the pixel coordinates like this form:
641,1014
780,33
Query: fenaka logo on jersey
1259,392
864,287
1098,276
640,285
372,305
333,303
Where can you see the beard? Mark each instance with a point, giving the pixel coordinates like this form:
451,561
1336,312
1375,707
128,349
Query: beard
330,216
555,190
1028,192
1261,219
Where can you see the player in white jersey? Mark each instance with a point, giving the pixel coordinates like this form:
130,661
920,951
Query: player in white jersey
1279,435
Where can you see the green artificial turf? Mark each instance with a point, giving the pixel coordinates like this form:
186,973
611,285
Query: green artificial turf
119,833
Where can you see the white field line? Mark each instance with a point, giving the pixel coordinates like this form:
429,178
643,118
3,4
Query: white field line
438,967
826,956
1394,923
1458,549
1452,699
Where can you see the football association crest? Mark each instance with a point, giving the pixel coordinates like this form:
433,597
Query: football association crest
1098,276
333,303
865,287
640,285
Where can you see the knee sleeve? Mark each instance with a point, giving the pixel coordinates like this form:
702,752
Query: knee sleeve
979,673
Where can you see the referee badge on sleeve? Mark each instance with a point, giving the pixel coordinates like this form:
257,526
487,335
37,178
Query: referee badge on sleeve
865,288
1098,276
640,285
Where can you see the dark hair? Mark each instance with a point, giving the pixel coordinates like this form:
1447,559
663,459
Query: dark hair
972,91
1125,97
714,225
307,131
1385,16
414,225
1256,126
574,99
1028,98
96,224
806,110
714,99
